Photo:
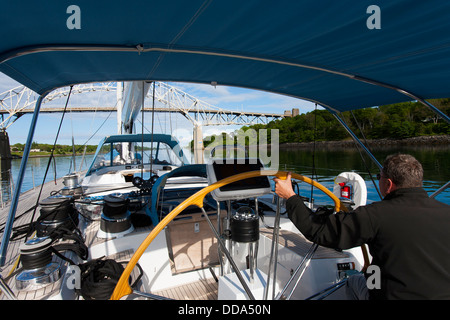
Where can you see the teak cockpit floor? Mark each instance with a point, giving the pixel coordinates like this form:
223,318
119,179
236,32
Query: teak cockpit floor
206,289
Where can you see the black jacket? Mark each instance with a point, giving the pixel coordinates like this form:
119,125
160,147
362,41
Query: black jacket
408,235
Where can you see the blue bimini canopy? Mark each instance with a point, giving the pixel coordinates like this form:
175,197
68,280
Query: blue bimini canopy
341,54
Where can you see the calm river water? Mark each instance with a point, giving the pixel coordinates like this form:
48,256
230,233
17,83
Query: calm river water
328,164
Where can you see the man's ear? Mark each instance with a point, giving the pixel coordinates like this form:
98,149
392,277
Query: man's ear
391,186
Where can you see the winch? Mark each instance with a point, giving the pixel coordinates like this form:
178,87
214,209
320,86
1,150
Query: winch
244,226
240,230
115,218
56,212
71,186
38,269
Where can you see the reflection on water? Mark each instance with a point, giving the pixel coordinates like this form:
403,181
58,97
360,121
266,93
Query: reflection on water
35,172
328,164
6,180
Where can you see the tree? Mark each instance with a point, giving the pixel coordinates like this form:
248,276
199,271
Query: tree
395,121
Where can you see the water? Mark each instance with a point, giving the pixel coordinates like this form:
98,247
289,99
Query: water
328,164
35,172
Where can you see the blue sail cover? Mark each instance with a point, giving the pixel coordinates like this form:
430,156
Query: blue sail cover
341,54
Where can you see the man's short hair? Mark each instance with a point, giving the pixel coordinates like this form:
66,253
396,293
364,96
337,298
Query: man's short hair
404,170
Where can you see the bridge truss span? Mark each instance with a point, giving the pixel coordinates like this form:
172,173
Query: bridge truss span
19,101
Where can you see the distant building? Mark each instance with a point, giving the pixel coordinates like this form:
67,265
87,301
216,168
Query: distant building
293,113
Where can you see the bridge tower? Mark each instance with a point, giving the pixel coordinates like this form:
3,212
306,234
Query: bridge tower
5,150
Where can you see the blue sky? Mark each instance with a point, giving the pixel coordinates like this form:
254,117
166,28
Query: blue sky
83,125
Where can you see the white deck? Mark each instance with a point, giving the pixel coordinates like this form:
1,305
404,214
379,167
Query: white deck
159,278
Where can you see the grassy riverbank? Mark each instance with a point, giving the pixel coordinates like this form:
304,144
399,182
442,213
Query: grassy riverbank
43,154
44,150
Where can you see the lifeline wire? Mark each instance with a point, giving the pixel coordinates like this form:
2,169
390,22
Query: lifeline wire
314,173
153,122
142,130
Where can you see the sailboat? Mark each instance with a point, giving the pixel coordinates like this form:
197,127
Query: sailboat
223,236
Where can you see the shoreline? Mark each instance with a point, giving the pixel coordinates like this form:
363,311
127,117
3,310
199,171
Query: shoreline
14,156
428,141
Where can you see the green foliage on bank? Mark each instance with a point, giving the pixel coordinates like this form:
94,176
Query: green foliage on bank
47,149
396,121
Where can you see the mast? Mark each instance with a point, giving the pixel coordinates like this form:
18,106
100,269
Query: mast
132,103
119,106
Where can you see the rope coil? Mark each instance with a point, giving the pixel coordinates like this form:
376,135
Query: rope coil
99,278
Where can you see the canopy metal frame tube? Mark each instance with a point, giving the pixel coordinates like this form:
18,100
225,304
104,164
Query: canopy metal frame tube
367,151
15,199
435,110
141,48
445,186
358,141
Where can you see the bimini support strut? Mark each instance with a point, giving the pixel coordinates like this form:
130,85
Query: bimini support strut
15,198
435,110
357,140
445,186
